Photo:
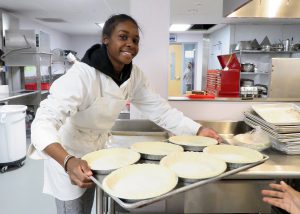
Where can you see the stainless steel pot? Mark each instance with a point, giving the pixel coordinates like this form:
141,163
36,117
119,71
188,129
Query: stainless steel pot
247,82
247,67
243,45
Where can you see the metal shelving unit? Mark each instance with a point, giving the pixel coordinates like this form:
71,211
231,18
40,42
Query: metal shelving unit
25,48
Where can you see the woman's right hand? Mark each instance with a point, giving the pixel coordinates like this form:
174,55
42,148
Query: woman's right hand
79,173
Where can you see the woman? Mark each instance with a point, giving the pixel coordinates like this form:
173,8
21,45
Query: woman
188,77
283,196
84,103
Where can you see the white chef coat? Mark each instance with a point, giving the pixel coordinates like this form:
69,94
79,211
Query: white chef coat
81,109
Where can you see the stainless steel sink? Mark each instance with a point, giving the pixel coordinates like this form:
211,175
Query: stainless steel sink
126,132
227,129
127,125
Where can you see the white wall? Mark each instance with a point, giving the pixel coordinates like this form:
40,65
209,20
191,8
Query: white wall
153,17
198,39
83,42
216,110
219,45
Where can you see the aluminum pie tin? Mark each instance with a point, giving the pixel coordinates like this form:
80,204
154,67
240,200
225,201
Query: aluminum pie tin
234,156
193,143
107,160
155,150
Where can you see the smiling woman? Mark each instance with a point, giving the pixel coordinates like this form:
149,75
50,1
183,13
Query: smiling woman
83,105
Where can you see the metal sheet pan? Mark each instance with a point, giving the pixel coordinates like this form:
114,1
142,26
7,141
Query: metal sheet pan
270,132
279,129
180,188
279,114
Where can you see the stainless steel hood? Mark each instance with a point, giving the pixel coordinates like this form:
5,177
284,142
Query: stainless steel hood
262,8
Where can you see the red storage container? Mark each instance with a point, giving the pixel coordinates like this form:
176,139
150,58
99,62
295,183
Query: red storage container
33,86
225,82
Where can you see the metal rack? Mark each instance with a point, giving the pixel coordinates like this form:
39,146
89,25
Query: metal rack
25,48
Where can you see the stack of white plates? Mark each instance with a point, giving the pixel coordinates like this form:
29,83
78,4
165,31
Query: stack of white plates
281,122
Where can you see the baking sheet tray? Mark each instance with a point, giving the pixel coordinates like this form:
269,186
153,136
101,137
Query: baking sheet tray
280,137
180,188
279,129
279,114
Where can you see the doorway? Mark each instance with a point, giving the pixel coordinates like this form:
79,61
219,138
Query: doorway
181,68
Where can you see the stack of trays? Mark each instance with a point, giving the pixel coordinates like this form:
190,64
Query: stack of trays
281,122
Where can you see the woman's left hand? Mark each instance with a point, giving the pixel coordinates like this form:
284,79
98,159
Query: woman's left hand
208,132
283,196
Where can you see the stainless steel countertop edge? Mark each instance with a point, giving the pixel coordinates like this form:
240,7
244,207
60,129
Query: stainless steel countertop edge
227,99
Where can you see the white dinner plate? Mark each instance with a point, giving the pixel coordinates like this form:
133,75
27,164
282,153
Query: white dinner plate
234,154
194,165
155,150
193,143
140,181
105,160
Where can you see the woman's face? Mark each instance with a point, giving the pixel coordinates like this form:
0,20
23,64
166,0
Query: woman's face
123,44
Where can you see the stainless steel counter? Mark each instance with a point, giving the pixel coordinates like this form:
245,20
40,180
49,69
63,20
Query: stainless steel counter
278,166
229,99
16,95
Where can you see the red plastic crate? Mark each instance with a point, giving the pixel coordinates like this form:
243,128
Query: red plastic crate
33,86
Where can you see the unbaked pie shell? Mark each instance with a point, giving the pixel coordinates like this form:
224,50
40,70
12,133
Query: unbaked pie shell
140,181
158,149
234,154
194,165
106,160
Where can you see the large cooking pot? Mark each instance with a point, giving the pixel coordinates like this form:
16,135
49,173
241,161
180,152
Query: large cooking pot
243,45
247,67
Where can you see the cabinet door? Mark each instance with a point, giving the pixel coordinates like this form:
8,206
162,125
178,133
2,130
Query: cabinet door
285,78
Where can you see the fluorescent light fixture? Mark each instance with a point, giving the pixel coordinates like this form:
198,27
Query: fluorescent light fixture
273,8
179,27
101,25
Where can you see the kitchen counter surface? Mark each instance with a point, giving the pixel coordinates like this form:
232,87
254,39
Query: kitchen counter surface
279,165
238,99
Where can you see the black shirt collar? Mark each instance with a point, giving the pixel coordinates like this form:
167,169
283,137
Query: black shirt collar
97,58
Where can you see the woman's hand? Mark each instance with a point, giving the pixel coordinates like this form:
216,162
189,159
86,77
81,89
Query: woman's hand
208,132
79,173
283,196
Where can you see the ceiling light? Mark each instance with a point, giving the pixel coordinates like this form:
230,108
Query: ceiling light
179,27
101,25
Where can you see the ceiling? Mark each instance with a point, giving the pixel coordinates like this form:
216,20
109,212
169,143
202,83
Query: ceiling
78,17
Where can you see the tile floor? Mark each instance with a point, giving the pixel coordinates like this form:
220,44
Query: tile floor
21,190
